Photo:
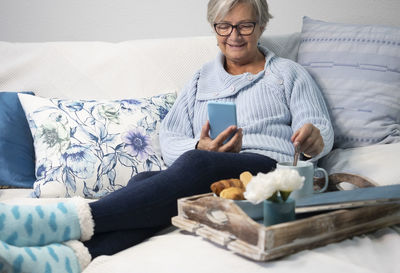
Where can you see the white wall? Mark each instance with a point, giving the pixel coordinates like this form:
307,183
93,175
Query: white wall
109,20
118,20
288,13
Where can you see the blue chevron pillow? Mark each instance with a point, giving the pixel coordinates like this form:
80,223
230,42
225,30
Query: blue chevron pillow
357,68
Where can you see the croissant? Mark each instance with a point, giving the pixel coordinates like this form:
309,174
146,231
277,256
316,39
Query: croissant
220,185
245,177
233,193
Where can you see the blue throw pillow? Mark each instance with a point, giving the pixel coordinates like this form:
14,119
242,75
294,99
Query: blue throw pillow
17,157
357,68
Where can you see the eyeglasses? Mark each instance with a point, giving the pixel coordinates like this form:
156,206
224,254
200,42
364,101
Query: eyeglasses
225,29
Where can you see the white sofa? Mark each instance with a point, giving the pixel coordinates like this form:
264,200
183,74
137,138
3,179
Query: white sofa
141,68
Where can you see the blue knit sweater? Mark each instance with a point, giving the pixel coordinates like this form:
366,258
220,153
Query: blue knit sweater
270,106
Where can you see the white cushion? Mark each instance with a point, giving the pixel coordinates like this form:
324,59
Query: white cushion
379,163
103,70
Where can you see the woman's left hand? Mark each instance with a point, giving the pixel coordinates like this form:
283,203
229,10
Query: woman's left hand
234,145
310,139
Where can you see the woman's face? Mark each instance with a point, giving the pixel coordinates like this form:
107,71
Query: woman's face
238,48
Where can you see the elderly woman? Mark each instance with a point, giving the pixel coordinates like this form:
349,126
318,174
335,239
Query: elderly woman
278,104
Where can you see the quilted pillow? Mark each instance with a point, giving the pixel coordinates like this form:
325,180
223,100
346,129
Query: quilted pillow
90,148
17,158
358,70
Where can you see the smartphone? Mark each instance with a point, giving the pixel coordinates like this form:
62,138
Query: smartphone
221,115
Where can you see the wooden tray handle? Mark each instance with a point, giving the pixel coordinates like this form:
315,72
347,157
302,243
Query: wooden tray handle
336,178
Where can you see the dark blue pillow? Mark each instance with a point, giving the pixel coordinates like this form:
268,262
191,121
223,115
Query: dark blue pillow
17,156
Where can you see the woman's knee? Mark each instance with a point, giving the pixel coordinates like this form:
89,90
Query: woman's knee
142,176
192,158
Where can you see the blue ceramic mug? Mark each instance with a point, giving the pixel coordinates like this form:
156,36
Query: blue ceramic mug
307,170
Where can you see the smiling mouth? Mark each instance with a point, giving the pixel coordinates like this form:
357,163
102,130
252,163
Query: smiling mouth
236,46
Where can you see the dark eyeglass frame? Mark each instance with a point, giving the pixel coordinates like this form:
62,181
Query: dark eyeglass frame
235,26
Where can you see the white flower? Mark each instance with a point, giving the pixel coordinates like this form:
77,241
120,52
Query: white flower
288,179
261,187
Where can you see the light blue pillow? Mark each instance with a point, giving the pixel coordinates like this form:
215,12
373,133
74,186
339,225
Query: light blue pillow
17,158
358,70
90,148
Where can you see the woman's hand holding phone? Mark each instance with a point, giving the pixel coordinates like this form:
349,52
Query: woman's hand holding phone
220,132
234,145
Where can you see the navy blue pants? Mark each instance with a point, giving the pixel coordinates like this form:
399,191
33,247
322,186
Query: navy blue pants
145,206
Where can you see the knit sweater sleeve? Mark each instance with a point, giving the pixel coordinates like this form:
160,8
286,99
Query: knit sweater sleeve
308,106
176,131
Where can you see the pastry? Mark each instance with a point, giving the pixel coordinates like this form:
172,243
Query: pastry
233,193
245,177
220,185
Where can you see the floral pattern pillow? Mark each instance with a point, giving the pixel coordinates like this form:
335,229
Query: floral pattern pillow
90,148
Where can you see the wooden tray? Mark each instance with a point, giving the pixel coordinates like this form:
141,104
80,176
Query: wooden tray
221,221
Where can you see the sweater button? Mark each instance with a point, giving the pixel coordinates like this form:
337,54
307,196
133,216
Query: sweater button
281,82
250,77
232,88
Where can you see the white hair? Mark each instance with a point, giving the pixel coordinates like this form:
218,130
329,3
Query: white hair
220,8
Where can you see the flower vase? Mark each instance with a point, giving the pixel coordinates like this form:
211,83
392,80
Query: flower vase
279,212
